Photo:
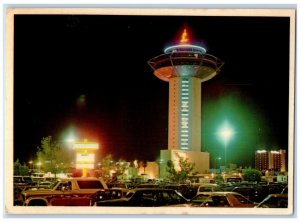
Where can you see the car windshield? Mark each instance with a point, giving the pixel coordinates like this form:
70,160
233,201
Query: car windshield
201,197
54,184
242,199
90,184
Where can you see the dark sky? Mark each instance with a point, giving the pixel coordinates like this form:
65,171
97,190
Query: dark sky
89,75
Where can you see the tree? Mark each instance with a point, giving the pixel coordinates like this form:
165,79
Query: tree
55,159
185,168
252,175
107,164
20,169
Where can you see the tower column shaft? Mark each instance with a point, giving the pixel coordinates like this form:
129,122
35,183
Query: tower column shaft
184,113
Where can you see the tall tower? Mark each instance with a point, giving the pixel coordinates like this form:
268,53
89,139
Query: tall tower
185,66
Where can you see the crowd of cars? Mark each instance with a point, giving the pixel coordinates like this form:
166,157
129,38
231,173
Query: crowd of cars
95,192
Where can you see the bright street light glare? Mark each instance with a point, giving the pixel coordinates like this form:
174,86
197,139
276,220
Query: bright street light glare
225,133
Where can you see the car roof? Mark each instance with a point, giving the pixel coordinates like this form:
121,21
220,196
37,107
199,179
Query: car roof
150,189
219,193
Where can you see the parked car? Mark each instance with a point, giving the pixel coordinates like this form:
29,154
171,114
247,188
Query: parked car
208,187
146,197
221,199
110,194
22,181
72,186
274,201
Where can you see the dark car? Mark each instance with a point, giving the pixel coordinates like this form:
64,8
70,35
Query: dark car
221,199
146,197
274,201
251,193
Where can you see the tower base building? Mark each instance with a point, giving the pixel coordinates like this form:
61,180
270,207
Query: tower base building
201,160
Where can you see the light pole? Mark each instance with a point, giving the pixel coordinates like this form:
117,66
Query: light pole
225,134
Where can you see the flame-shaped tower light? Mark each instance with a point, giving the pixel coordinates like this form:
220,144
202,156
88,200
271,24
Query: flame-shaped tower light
185,66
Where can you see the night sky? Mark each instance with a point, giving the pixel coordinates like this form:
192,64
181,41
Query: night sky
88,75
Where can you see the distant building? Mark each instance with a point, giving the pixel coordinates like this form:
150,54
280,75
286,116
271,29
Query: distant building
270,160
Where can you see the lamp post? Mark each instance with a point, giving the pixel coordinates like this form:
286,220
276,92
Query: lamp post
225,134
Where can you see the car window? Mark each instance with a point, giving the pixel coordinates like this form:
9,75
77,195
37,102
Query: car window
242,199
176,198
220,201
201,198
148,198
61,185
27,179
90,184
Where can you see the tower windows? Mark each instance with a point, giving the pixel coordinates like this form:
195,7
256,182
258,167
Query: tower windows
184,114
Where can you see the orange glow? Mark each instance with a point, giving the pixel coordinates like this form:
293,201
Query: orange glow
184,37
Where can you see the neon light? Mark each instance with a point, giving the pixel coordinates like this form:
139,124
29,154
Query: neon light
188,48
184,37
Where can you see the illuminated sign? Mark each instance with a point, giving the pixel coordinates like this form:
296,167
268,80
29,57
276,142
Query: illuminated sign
86,146
85,157
84,166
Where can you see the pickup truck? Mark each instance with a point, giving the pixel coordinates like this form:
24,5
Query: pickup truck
75,200
80,187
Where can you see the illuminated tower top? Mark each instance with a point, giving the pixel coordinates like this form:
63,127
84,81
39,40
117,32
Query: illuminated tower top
185,59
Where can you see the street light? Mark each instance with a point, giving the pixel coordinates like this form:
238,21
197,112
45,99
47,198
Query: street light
225,133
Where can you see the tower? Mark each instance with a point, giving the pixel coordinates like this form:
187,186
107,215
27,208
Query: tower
185,66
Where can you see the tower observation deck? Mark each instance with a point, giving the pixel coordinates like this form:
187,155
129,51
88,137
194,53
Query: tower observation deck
185,66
